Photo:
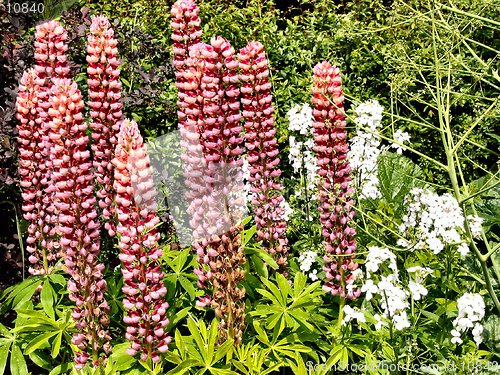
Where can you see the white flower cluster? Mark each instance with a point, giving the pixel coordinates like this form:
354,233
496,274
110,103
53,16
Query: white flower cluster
433,221
287,210
417,289
306,261
365,149
301,153
300,118
475,223
393,297
470,311
352,314
401,137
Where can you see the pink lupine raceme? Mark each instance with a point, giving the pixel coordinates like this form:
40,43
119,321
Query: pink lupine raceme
220,251
334,185
77,221
262,150
105,109
138,241
186,30
50,62
31,150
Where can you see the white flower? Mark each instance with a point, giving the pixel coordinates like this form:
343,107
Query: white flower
401,137
475,223
435,244
456,339
401,321
417,290
379,323
313,275
301,154
287,210
306,260
369,288
376,256
477,333
369,113
422,271
295,154
471,309
463,249
431,221
300,118
352,314
365,149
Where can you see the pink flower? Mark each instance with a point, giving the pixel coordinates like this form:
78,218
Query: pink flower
50,62
105,109
262,151
186,31
78,225
218,234
335,190
136,209
31,149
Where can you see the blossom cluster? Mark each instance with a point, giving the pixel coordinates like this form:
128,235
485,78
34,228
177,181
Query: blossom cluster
365,149
432,221
382,281
77,221
35,143
138,241
306,262
105,109
334,185
301,154
401,137
262,151
471,310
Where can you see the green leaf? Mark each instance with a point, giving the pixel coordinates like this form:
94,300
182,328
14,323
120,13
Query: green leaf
188,286
179,342
17,362
212,340
41,360
492,333
56,345
24,292
223,350
284,287
47,299
397,176
39,341
4,354
183,367
195,327
61,369
259,266
431,316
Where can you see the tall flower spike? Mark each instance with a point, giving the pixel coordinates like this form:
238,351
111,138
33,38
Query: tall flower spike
78,224
186,30
220,252
105,109
31,148
261,145
138,241
50,62
334,185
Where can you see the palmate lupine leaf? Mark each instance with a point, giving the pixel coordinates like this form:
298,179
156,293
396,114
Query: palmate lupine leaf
290,307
